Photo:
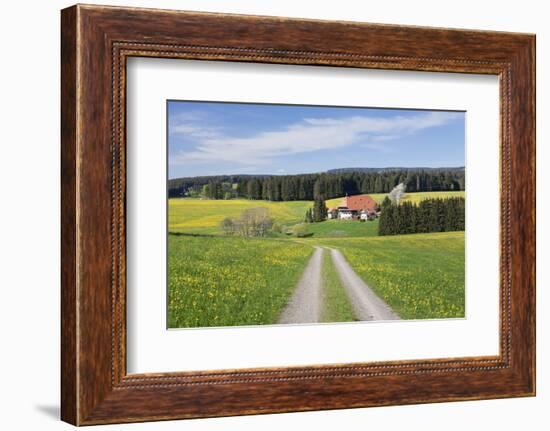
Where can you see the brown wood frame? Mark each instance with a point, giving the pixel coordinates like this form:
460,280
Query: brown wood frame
95,43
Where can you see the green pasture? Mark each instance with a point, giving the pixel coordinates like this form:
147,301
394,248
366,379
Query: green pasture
227,281
343,228
420,276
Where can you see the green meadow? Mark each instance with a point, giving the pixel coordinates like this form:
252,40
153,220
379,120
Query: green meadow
343,229
420,276
215,281
220,280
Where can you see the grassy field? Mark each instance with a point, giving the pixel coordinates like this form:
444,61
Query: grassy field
343,228
420,276
230,281
409,197
199,216
227,281
204,216
336,305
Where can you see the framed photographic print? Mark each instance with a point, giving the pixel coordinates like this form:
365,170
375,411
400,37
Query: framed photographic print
267,215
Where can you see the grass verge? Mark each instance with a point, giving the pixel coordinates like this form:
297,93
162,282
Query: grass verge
336,305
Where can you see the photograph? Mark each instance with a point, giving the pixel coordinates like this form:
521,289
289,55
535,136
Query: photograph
297,214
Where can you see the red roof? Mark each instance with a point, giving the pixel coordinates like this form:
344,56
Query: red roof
359,202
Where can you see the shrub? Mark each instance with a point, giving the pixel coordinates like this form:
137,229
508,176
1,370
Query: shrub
300,231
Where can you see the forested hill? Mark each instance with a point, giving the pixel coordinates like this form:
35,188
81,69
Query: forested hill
331,184
390,169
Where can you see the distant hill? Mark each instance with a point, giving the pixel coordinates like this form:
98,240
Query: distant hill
204,179
393,169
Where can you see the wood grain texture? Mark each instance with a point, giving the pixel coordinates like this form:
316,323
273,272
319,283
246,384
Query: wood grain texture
69,368
96,41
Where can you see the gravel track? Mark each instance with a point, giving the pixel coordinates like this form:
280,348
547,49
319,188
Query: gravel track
305,303
366,304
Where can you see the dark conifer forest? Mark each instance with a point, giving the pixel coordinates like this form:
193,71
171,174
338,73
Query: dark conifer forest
429,215
331,184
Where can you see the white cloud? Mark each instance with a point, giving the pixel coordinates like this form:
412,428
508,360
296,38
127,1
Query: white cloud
194,131
311,134
188,123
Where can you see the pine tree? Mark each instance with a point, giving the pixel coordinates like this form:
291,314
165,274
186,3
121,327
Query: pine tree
386,202
267,190
240,190
406,218
450,221
396,220
461,217
276,189
252,189
318,188
378,186
383,222
302,194
319,209
309,216
414,218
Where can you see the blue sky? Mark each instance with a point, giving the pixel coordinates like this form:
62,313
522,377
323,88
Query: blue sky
212,138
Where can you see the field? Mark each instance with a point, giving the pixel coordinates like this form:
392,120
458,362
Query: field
218,280
409,197
230,281
204,216
343,229
198,216
420,276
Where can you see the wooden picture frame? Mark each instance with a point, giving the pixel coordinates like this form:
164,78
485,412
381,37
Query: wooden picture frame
95,43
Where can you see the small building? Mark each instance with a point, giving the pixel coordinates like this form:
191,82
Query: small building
345,214
367,215
358,207
359,203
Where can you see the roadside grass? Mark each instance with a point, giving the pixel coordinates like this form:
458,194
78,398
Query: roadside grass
227,281
414,197
336,305
343,228
420,276
199,216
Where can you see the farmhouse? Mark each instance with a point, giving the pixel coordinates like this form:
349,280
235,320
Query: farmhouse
358,207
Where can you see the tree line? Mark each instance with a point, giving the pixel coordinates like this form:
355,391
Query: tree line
430,215
308,186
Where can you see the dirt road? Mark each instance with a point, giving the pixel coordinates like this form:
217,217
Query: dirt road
305,304
365,303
